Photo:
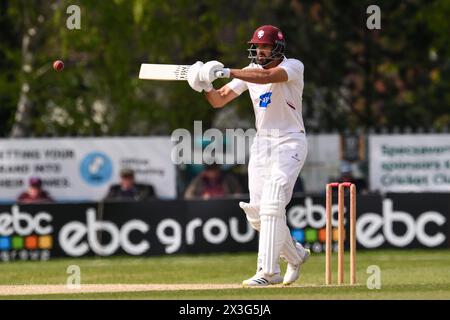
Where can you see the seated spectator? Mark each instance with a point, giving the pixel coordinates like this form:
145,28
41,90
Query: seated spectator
35,193
347,176
129,190
212,183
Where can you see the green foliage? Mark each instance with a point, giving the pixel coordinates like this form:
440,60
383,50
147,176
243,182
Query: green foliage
396,76
356,77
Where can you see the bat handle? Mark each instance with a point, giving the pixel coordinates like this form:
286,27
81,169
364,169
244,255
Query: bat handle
219,74
224,73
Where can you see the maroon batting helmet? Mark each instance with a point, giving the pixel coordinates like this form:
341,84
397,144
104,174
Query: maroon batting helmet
267,34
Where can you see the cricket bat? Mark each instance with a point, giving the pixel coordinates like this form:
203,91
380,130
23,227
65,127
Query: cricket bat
169,72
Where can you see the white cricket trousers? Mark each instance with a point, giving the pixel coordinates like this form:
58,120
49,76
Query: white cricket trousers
274,166
277,159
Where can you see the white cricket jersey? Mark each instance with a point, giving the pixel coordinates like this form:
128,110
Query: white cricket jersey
276,105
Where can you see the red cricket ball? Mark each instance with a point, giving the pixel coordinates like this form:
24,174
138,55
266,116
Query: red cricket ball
58,65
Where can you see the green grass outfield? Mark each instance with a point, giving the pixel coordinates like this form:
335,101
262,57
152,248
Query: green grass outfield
407,274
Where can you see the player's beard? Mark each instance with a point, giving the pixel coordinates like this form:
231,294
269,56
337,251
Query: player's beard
263,60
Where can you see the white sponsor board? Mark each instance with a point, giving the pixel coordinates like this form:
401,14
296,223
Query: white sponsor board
74,169
322,162
409,163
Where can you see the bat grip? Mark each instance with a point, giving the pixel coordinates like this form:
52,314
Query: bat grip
224,73
219,74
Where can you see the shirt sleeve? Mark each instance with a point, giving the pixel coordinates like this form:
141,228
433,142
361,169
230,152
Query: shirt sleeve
294,69
237,85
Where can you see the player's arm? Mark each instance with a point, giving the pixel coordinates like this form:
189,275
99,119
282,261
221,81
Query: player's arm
260,76
219,98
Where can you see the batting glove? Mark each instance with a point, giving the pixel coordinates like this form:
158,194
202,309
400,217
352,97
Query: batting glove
212,70
194,80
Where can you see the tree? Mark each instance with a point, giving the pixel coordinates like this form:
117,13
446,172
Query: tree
365,78
354,77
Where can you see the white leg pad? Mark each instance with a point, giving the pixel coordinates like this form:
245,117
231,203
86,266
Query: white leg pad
252,213
288,251
273,226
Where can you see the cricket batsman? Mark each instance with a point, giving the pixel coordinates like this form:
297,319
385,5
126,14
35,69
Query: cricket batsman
279,150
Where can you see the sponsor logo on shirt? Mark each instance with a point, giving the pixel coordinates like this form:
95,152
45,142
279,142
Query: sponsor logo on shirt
264,100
